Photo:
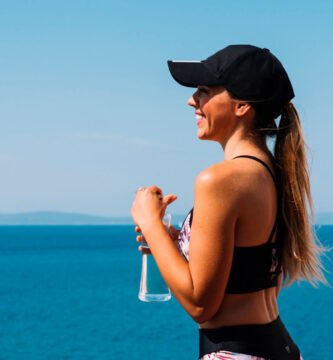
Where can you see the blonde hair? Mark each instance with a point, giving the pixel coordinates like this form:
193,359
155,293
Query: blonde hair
301,246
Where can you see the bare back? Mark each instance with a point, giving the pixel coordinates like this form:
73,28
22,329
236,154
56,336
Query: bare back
256,217
252,223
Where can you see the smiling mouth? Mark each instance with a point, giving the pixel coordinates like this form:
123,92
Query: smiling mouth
200,117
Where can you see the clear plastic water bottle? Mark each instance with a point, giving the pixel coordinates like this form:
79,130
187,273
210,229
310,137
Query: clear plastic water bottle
152,284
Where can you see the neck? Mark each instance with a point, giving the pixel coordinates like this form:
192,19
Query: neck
242,143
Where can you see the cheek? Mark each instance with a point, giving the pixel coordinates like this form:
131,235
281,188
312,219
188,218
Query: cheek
219,120
223,109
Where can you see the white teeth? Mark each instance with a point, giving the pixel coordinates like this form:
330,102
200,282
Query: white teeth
198,117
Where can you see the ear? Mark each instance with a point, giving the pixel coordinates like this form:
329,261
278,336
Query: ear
242,109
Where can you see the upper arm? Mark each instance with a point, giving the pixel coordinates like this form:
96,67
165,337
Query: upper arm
212,236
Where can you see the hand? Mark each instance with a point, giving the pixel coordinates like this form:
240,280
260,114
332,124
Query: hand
149,206
172,231
139,239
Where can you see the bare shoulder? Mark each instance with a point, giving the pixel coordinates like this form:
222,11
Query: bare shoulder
224,177
232,187
219,192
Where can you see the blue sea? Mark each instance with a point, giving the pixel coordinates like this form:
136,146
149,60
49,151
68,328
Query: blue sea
71,292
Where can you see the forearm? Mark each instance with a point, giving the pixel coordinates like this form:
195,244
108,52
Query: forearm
173,267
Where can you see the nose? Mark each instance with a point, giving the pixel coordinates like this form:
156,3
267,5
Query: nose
193,100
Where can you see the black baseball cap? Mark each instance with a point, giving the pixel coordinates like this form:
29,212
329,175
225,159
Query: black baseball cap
248,72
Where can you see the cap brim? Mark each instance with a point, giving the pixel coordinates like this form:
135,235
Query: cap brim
191,73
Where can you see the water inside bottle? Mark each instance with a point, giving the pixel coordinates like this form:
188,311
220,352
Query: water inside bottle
152,284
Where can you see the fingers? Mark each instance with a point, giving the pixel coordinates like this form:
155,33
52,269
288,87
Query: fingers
139,238
155,189
140,189
152,188
137,229
167,200
144,250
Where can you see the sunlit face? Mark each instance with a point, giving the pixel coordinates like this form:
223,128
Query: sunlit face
214,110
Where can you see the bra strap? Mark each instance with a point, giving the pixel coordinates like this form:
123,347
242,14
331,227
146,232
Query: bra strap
262,162
277,190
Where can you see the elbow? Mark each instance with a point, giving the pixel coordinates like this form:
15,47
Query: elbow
201,314
205,310
202,308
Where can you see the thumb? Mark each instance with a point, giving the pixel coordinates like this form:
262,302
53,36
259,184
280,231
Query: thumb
168,199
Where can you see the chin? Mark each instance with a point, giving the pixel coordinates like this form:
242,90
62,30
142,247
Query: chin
205,137
202,136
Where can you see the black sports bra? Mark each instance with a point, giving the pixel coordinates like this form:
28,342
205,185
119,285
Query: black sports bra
253,267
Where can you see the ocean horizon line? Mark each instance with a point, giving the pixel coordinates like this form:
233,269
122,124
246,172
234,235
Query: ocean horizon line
49,217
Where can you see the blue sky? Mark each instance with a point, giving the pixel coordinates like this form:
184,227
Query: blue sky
89,112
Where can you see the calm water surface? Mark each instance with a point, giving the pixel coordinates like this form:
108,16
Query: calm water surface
71,292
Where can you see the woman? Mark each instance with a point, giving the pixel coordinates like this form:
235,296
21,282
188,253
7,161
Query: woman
248,231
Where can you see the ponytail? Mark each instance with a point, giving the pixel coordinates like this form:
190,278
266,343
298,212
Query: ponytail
301,247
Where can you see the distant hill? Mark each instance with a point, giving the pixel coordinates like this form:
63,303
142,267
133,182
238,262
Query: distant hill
62,218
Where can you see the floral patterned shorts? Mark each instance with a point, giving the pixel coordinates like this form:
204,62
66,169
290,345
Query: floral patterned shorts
226,355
